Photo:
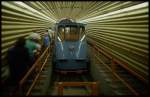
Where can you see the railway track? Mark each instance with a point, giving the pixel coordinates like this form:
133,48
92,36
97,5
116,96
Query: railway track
44,80
48,81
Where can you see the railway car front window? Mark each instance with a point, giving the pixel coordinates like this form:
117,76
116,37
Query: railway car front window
71,34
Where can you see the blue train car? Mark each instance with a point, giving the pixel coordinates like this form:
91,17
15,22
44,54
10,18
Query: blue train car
70,50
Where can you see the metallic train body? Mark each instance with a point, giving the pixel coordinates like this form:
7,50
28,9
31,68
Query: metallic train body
70,50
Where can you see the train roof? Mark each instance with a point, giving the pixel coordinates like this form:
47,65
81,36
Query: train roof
68,22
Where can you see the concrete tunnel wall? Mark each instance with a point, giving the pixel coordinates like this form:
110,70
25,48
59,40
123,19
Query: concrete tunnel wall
120,27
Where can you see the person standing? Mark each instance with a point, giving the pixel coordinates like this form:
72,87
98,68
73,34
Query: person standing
19,62
33,46
46,40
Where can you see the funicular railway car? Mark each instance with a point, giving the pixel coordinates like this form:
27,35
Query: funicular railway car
70,50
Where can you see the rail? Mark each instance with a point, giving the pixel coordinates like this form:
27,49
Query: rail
122,64
34,72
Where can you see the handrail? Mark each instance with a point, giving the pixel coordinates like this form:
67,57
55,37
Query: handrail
124,82
112,69
131,71
121,63
32,68
37,66
35,80
114,73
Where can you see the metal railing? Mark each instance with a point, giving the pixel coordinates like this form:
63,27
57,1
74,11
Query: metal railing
92,85
112,68
33,73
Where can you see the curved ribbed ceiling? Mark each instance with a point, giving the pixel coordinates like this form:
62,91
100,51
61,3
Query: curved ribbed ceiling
120,27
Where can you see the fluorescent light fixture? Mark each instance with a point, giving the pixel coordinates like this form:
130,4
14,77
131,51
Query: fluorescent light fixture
142,5
33,10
